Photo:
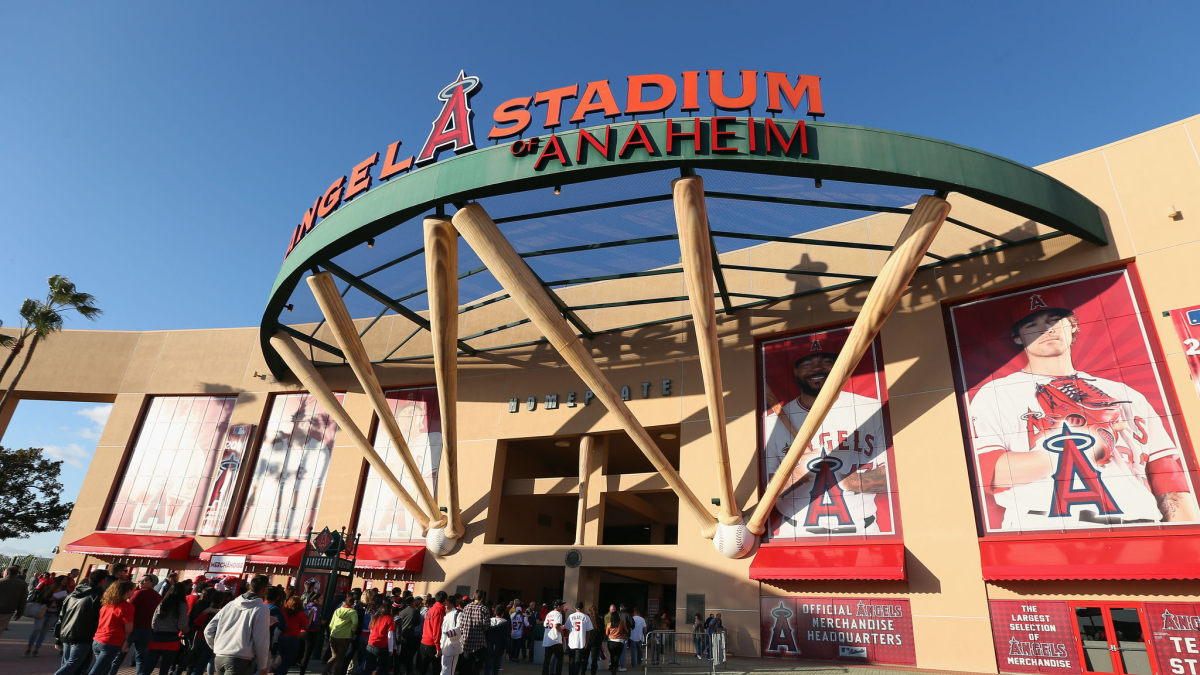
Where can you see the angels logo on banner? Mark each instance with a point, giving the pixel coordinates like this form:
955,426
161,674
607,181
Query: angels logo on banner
1069,416
842,485
383,518
289,473
174,460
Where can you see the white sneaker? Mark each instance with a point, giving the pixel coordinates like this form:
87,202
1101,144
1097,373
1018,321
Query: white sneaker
621,670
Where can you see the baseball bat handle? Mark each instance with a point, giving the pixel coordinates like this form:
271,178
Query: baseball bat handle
912,244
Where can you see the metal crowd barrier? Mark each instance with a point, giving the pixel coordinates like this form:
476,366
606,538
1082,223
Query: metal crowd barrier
665,649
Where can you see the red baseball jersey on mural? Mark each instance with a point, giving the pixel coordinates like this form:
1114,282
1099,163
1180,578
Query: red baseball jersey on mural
1069,419
848,488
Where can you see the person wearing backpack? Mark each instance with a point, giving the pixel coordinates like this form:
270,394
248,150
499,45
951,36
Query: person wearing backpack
169,620
50,598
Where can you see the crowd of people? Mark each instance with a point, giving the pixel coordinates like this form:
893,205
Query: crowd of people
228,627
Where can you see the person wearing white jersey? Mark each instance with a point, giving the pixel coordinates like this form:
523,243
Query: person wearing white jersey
580,625
834,486
1059,448
552,641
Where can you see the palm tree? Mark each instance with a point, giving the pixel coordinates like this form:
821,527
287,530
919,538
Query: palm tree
39,319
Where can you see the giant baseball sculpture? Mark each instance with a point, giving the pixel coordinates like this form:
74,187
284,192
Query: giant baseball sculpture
695,245
325,290
315,384
519,281
889,286
441,274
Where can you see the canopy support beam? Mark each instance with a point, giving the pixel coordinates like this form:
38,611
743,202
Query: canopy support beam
481,233
324,288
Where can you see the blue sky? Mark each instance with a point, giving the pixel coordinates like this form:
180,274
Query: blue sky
161,153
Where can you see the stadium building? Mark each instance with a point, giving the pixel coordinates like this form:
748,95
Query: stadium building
875,398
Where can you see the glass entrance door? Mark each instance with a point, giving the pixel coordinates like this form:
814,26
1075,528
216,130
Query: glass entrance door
1112,639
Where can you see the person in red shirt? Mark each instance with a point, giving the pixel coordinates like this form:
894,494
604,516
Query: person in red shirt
145,601
431,633
295,621
381,643
116,623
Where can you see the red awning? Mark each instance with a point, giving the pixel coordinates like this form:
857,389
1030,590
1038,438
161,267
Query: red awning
1120,557
260,552
855,561
390,557
133,545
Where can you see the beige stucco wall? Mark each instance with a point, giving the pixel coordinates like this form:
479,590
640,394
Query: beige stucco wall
1137,182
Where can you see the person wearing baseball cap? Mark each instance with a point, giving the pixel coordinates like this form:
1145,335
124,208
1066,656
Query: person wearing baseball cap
1057,447
844,469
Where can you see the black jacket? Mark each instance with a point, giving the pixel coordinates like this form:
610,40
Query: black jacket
80,615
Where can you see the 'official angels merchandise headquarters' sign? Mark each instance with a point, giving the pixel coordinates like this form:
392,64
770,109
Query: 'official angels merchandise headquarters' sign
862,630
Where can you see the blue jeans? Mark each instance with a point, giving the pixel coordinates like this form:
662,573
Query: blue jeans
203,656
376,658
164,658
139,643
289,649
635,653
73,658
40,628
105,655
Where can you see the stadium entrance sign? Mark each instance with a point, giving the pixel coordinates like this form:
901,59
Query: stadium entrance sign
453,128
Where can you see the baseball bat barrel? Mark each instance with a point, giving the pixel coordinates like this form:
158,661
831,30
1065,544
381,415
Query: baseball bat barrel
481,233
325,290
441,272
315,384
914,240
695,245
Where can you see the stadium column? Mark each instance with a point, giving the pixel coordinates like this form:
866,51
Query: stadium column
595,496
587,446
473,222
315,384
325,290
695,247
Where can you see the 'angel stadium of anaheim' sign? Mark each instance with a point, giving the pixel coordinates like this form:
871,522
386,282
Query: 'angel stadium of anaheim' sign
453,128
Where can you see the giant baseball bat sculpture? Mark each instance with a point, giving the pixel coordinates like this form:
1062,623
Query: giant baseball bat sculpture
315,384
695,245
441,273
325,290
518,280
889,286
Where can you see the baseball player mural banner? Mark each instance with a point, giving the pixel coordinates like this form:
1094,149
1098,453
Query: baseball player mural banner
1068,415
843,485
290,470
383,518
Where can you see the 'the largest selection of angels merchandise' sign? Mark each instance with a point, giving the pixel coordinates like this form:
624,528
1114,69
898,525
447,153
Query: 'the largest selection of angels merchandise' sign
863,630
1033,636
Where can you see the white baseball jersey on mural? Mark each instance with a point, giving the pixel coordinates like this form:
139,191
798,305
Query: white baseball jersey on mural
852,437
1007,415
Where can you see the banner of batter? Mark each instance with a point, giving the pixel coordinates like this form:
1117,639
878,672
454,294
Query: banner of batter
1070,422
842,485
